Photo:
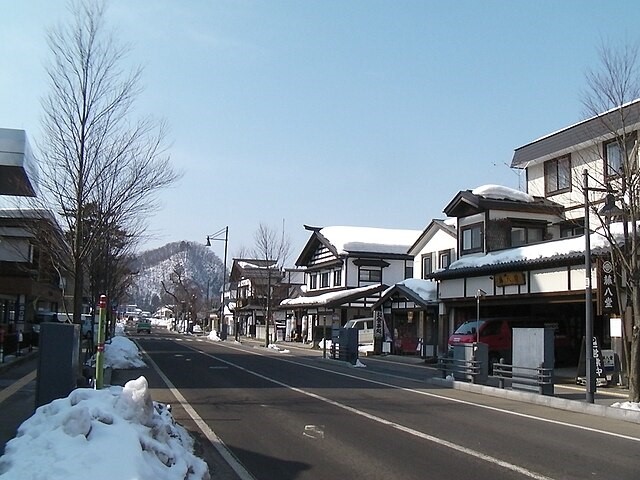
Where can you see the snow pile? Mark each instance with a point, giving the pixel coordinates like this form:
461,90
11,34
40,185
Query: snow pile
114,433
627,406
213,335
122,353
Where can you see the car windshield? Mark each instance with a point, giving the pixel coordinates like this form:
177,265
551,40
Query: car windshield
467,328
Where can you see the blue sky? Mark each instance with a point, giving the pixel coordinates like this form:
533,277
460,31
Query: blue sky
334,112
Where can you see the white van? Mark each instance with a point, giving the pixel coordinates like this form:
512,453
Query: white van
365,329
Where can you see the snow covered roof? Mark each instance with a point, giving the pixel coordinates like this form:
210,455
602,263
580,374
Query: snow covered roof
368,239
422,292
345,240
497,197
332,298
499,192
569,249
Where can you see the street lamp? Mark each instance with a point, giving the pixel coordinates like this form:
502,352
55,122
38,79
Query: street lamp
608,210
479,294
219,236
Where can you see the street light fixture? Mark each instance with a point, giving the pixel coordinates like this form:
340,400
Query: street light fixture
219,237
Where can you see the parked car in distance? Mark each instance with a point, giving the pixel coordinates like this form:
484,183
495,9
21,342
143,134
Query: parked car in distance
365,329
143,325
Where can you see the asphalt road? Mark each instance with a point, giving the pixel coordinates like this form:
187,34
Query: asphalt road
296,416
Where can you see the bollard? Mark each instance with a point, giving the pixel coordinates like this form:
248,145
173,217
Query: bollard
19,347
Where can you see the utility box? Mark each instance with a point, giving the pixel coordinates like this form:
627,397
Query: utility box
532,349
348,345
58,361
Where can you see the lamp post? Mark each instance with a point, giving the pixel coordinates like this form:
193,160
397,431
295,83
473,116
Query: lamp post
590,361
479,294
219,236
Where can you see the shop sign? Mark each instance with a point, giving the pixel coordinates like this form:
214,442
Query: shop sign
507,279
607,294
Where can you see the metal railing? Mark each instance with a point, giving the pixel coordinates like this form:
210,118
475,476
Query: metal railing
538,377
469,369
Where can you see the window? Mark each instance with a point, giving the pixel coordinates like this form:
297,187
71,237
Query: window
337,278
444,259
313,281
557,175
472,239
368,275
408,271
572,230
526,235
324,279
614,155
427,265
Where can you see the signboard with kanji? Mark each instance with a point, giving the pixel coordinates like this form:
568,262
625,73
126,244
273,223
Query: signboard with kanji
607,294
378,327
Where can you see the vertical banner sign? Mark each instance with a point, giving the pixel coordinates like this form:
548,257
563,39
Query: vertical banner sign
607,295
100,347
378,329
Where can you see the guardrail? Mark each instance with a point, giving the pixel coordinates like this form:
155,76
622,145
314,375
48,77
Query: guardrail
538,377
470,369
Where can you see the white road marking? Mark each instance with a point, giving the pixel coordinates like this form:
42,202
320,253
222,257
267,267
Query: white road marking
216,441
397,426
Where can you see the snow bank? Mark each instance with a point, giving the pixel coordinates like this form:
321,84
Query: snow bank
114,433
122,353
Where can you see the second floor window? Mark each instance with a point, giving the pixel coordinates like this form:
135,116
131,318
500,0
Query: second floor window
337,278
427,265
526,235
313,281
369,275
557,175
472,239
614,155
444,259
408,271
324,279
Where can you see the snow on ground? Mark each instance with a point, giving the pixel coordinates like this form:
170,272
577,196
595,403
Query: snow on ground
278,348
113,433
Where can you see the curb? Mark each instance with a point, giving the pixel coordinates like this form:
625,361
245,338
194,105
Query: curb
543,400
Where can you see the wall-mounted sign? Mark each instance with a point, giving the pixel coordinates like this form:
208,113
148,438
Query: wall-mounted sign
507,279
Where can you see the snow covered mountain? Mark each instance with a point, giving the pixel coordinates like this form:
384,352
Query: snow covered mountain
197,266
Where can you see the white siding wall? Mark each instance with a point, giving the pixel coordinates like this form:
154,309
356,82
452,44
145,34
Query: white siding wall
440,241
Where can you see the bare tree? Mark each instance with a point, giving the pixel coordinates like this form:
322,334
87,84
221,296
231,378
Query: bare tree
610,88
93,154
274,248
